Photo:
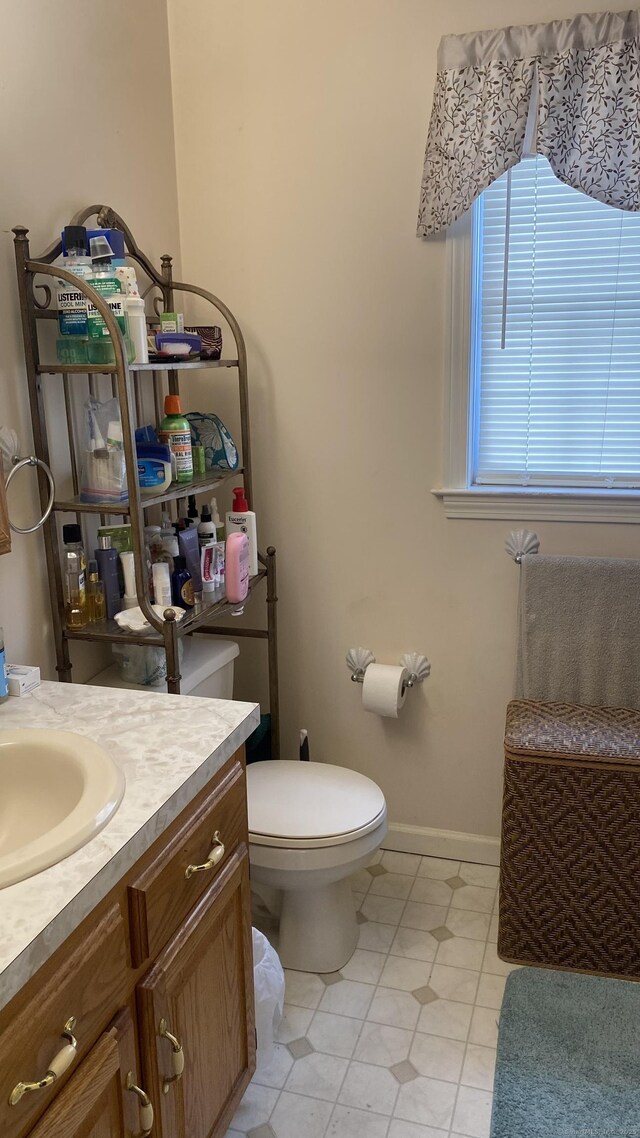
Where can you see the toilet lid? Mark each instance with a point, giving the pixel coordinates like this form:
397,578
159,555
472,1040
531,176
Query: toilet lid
306,802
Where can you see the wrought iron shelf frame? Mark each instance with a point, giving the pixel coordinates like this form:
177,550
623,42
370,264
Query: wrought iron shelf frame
125,384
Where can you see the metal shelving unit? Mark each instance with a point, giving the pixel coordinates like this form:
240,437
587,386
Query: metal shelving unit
126,385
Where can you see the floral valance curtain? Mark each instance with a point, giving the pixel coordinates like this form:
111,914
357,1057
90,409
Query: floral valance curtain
569,90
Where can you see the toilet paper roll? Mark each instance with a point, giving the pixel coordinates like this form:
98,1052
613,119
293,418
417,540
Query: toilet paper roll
383,690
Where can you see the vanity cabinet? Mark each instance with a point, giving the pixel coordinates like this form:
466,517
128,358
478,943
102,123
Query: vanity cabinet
102,1099
194,1030
148,1007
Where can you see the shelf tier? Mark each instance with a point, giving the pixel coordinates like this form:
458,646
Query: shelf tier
198,485
107,369
109,633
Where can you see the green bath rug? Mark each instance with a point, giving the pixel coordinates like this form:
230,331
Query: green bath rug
568,1062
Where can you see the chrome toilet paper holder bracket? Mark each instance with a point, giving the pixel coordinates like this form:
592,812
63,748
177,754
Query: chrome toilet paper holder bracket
417,665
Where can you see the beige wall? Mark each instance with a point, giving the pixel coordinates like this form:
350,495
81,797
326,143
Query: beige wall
300,132
85,116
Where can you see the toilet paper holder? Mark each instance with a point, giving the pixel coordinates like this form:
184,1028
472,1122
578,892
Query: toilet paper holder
418,666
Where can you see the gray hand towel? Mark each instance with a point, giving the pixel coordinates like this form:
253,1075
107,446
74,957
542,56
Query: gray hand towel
579,630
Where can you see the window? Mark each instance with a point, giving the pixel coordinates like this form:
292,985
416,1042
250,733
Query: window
545,351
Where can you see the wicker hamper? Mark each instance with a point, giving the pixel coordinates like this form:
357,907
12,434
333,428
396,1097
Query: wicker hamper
570,859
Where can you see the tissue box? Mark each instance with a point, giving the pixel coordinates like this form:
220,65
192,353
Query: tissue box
570,854
22,679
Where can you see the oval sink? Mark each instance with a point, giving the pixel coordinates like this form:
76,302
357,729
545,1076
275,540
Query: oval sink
57,790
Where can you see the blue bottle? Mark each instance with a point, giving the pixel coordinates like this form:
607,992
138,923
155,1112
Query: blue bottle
181,585
4,686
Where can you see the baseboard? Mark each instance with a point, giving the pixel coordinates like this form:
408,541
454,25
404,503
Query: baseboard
442,843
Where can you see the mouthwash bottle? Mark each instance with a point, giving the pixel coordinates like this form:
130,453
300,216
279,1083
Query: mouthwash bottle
71,345
175,431
103,279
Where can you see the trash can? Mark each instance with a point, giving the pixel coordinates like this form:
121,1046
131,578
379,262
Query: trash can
268,983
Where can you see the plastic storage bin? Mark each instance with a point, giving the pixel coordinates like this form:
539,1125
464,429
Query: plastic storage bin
207,670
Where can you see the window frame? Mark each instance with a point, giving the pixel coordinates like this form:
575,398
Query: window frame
460,497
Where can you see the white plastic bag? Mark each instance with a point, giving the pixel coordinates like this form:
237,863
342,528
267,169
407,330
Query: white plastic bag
268,982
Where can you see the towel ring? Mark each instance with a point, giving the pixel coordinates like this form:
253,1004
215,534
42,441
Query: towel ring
17,462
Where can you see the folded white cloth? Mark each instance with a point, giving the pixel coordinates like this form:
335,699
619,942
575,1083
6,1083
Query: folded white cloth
134,619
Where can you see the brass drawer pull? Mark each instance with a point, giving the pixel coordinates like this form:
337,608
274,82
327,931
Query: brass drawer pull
59,1064
146,1106
177,1056
216,854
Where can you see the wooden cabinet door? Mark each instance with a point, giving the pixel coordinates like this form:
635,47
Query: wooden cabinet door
200,993
96,1101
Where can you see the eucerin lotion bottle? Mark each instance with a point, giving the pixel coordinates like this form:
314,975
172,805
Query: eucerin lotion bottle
241,519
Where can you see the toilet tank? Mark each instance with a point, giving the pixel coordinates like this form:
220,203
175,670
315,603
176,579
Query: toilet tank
207,670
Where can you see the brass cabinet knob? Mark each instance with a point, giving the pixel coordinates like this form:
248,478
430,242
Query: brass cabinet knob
216,854
146,1106
57,1067
177,1055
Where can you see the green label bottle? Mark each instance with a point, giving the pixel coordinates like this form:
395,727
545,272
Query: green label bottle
175,431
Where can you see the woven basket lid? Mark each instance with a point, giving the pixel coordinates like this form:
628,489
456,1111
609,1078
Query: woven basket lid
563,730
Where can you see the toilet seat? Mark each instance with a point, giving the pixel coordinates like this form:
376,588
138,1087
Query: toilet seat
300,805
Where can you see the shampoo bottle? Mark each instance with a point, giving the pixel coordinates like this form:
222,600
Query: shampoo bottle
107,558
241,519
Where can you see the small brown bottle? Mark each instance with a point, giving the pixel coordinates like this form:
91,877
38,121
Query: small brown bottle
96,606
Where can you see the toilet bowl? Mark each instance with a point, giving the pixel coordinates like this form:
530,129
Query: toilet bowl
311,825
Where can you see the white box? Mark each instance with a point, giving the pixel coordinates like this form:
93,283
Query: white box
22,679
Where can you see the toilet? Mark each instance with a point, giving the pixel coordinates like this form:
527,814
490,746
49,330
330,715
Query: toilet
311,826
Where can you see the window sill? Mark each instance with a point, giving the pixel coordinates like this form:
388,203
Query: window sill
537,503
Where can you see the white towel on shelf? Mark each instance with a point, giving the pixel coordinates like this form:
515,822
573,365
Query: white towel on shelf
579,631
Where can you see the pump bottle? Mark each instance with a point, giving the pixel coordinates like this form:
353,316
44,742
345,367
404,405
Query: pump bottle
241,519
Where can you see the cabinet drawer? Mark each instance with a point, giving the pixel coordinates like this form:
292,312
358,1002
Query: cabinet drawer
87,985
162,896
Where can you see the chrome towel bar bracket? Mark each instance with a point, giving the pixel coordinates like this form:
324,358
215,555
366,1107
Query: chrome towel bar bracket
521,541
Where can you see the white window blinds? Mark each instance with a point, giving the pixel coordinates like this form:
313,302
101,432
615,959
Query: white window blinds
559,275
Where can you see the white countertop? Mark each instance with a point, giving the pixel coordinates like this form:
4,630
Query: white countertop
168,746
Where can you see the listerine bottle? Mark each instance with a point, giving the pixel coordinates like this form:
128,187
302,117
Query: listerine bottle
104,281
71,345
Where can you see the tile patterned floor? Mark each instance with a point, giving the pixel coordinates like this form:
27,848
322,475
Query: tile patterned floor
401,1042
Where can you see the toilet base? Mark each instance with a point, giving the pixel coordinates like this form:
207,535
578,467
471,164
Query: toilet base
318,927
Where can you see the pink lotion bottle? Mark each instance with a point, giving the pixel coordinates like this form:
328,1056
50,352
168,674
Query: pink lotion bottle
237,567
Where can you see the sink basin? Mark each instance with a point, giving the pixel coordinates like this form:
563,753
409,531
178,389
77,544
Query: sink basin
57,790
